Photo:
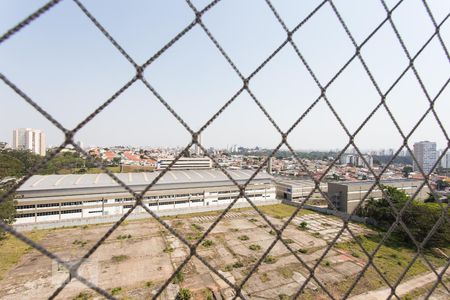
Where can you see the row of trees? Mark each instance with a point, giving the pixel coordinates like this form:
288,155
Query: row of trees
418,216
16,163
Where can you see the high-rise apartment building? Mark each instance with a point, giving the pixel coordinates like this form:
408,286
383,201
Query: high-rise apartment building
29,139
445,161
197,149
426,155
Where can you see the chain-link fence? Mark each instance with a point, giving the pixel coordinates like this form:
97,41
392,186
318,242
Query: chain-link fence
239,289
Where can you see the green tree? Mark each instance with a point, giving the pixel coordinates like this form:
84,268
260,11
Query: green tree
406,170
7,210
419,217
27,158
10,166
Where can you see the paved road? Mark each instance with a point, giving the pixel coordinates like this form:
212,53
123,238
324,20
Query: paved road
402,288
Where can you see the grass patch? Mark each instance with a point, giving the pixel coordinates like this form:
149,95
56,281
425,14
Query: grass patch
179,278
264,277
124,237
168,249
391,259
80,243
289,241
254,247
282,210
207,243
119,258
228,268
12,249
285,272
83,296
197,227
269,259
243,237
116,291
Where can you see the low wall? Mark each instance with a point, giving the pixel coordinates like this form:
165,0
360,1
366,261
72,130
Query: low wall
132,216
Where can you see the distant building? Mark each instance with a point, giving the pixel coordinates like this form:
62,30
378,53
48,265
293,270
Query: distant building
29,139
297,190
426,155
3,145
197,149
445,161
356,160
186,163
345,196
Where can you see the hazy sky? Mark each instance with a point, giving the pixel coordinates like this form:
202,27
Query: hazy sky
64,63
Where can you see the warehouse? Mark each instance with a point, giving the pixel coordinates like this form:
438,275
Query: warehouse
45,198
297,190
345,196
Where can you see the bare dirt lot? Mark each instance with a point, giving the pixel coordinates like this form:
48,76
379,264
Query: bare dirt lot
141,255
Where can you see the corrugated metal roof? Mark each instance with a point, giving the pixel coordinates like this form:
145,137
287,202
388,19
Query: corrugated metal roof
72,181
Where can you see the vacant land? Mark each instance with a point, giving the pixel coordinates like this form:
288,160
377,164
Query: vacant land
141,255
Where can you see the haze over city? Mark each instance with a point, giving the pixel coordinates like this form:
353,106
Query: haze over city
73,69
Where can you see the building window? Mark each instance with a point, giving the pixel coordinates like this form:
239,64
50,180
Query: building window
48,205
72,211
48,213
24,216
24,206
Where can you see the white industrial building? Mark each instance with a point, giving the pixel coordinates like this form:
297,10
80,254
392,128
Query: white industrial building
186,163
29,139
45,198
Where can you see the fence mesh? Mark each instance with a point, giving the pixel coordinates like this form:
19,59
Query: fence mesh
239,289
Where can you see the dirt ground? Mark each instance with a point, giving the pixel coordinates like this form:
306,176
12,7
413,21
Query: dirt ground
140,256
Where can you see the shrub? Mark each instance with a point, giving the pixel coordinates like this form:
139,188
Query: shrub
228,268
82,296
119,258
184,294
302,225
168,249
303,251
197,227
288,241
243,238
207,243
179,278
116,291
253,220
237,265
124,237
78,242
269,259
254,247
